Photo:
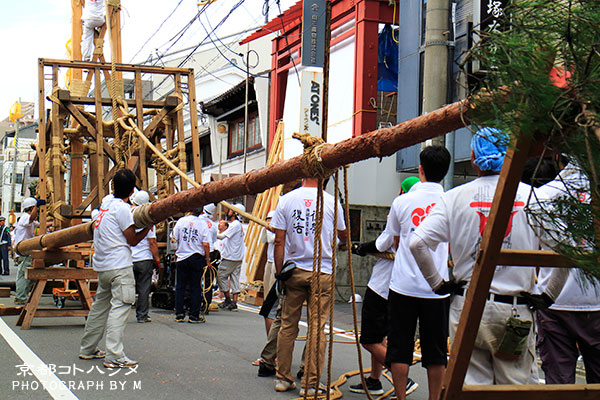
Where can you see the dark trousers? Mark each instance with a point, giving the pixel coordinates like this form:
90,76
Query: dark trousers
4,258
562,335
189,273
143,279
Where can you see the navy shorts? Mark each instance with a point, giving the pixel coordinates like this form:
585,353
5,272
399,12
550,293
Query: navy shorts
432,314
374,318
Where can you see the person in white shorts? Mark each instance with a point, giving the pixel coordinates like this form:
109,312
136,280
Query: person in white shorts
459,218
232,254
114,233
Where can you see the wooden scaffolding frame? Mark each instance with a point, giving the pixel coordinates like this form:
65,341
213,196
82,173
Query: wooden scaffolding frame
164,119
490,255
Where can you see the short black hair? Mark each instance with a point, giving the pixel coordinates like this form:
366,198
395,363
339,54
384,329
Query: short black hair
435,161
538,172
123,183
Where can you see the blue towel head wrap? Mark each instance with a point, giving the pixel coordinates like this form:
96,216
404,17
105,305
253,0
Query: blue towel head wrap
489,147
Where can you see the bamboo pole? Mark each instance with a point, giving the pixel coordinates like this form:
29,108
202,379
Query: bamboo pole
380,143
183,175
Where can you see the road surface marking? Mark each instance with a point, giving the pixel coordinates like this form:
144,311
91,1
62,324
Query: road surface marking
54,386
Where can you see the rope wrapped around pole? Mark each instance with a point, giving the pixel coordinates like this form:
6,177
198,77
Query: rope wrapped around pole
380,143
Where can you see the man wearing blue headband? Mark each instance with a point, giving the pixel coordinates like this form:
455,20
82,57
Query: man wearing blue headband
504,351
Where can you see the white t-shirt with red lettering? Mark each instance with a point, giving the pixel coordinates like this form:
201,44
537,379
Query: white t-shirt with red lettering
296,213
406,214
189,233
459,217
111,250
213,230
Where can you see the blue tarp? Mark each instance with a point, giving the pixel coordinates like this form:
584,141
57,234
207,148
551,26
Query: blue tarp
387,60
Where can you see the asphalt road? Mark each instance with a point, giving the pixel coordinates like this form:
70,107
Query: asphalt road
182,361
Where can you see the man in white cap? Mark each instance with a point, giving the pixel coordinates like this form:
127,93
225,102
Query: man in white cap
231,260
24,230
209,217
143,254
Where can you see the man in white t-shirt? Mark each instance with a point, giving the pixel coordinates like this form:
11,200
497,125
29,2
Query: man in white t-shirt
410,297
210,218
232,253
114,234
24,230
572,324
294,222
459,218
268,237
92,18
144,255
374,321
193,255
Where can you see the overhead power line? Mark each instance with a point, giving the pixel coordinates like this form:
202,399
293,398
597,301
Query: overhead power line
157,30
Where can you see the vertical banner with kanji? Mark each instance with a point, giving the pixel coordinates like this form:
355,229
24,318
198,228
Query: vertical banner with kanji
314,19
488,15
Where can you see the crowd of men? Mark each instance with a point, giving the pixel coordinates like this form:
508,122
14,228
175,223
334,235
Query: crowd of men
426,227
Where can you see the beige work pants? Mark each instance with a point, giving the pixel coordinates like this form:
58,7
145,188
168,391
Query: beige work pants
111,307
484,367
297,290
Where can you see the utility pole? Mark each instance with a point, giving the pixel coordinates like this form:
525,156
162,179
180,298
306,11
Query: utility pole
435,69
14,166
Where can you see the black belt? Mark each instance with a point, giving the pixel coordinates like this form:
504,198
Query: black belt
500,298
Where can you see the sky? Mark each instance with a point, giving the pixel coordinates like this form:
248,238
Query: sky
35,29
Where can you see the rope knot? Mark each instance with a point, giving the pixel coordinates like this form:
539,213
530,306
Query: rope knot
311,158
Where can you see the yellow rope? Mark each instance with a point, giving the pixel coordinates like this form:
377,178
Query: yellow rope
333,274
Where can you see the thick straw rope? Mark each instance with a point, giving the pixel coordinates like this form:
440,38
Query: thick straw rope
352,288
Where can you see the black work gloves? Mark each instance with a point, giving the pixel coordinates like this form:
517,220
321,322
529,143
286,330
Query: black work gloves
449,287
362,249
538,301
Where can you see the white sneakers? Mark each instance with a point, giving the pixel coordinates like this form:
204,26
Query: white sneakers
281,385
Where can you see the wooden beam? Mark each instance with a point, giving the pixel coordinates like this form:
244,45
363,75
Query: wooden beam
99,136
156,120
60,273
88,200
196,156
50,312
149,69
6,311
180,133
41,147
484,268
139,107
106,101
530,392
79,117
534,258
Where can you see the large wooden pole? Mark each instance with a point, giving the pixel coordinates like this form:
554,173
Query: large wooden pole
380,143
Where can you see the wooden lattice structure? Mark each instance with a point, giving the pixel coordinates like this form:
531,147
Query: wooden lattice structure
91,140
490,255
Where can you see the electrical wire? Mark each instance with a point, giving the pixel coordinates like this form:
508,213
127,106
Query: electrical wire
209,35
286,41
157,30
191,53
